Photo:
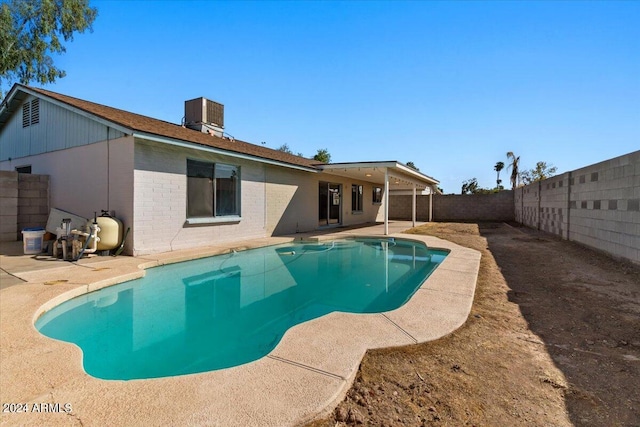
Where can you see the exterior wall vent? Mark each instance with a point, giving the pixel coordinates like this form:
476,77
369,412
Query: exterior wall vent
26,114
35,111
204,115
31,113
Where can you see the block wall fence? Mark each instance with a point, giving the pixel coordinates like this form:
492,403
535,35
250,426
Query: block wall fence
597,206
468,207
24,203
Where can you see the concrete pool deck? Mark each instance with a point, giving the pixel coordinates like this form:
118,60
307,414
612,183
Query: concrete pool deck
304,377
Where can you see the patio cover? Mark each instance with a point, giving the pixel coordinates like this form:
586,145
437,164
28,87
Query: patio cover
392,176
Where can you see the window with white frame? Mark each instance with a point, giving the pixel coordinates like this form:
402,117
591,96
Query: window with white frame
377,195
356,198
213,190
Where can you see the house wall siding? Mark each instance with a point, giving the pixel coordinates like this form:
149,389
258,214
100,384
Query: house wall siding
89,178
160,196
293,201
58,129
121,185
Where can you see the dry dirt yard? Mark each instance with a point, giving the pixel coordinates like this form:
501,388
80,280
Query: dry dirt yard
553,339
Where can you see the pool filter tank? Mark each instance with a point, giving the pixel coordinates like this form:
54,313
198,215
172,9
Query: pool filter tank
110,233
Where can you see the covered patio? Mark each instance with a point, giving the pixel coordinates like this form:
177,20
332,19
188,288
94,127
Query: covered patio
392,176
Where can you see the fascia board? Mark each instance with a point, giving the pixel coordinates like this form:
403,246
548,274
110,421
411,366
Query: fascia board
196,146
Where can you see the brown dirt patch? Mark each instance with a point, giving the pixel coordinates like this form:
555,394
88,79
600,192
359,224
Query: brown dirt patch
553,339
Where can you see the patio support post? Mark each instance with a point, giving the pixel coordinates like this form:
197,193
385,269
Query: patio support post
413,206
386,201
430,203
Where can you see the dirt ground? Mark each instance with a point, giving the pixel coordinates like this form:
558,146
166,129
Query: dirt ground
553,339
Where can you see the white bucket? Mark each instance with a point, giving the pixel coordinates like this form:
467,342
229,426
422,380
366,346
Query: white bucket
32,241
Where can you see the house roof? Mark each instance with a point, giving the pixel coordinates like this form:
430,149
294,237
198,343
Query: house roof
137,123
402,176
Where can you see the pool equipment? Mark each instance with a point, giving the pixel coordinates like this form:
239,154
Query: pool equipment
75,243
100,236
90,236
63,239
110,234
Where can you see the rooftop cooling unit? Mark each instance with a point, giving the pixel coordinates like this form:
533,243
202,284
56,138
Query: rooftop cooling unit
201,111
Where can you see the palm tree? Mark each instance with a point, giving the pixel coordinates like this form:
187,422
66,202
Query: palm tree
498,167
515,173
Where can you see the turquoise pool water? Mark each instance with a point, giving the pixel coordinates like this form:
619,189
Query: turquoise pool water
232,309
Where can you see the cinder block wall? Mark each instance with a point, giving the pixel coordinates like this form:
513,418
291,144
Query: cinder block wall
468,207
553,212
24,203
474,207
529,206
8,206
160,178
543,205
400,207
33,201
598,206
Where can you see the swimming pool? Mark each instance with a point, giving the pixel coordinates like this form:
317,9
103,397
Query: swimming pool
231,309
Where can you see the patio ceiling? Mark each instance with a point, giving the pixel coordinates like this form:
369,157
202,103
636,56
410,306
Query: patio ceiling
401,177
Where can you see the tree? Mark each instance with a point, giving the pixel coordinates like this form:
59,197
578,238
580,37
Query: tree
540,172
412,166
32,30
498,167
285,149
515,173
323,156
470,186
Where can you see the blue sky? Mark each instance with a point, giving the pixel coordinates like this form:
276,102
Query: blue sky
451,86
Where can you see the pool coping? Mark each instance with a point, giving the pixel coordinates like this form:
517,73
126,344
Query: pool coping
303,378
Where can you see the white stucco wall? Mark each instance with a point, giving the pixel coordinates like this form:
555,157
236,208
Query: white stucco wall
293,201
87,178
369,210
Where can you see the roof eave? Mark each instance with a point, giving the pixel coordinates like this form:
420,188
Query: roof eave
4,106
110,123
412,171
210,149
393,164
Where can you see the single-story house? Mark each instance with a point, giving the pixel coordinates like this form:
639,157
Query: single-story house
185,185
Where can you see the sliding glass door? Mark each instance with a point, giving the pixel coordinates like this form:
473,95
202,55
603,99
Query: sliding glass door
329,203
